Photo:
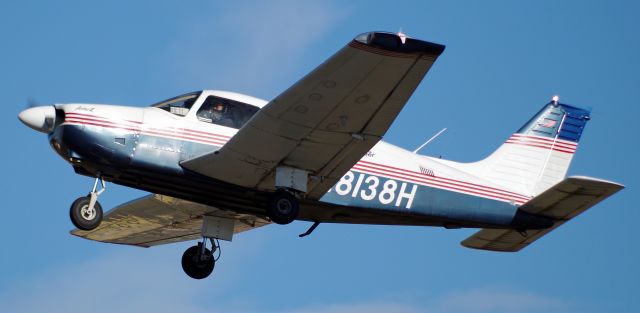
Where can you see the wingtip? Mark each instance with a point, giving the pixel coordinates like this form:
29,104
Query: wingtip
598,180
401,44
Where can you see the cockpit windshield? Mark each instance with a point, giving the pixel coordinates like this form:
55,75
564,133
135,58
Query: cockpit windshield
179,105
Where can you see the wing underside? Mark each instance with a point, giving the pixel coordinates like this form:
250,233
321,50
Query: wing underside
156,219
329,119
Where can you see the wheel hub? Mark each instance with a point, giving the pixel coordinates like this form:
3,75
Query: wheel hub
283,206
88,213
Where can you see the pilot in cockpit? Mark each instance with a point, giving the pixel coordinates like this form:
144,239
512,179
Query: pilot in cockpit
215,112
218,111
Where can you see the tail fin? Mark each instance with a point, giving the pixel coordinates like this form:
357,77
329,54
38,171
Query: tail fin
538,155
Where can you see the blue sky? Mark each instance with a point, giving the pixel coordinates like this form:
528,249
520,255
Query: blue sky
503,61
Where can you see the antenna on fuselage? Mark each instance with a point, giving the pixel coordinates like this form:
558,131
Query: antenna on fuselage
430,140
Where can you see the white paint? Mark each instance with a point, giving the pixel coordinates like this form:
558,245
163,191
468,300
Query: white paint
291,178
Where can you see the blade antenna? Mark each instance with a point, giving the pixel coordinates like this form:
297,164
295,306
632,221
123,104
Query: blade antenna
430,140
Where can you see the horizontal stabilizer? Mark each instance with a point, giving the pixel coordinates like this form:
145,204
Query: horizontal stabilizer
157,219
561,202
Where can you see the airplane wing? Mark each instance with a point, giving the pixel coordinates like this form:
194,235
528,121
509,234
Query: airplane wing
561,202
157,219
329,119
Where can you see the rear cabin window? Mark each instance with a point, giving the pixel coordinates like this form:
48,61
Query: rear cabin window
225,112
179,105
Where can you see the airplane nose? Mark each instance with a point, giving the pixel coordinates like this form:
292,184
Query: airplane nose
42,119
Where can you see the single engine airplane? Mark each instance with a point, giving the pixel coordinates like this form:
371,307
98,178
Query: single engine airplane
218,163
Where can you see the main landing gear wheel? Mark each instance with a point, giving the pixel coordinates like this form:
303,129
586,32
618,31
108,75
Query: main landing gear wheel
83,216
283,208
196,263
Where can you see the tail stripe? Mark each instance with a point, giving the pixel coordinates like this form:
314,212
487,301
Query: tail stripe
568,144
536,142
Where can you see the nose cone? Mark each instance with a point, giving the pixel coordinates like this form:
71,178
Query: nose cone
41,118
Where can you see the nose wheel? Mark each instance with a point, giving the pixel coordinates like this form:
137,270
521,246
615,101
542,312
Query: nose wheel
86,212
83,216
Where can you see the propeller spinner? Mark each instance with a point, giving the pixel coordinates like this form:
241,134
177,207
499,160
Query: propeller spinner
42,118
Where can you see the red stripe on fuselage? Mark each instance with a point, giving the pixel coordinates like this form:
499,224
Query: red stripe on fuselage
446,183
175,133
420,175
434,184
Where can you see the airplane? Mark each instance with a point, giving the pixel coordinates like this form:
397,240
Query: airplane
218,163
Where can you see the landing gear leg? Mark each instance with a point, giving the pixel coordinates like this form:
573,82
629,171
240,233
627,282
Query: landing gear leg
86,212
198,261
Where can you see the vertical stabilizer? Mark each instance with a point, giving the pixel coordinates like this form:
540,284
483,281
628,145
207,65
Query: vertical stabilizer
538,155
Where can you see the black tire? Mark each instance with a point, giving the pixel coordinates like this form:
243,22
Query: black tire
81,217
194,267
283,208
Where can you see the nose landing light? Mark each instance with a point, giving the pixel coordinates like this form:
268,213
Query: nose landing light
42,119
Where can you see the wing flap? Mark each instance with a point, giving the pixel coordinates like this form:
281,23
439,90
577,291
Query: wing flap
157,219
562,202
329,119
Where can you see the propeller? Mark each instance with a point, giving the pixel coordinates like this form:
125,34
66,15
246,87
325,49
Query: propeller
32,102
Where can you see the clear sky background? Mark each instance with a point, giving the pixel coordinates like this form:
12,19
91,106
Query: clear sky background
504,60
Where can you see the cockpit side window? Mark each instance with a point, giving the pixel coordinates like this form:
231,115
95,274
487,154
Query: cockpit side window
179,105
225,112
